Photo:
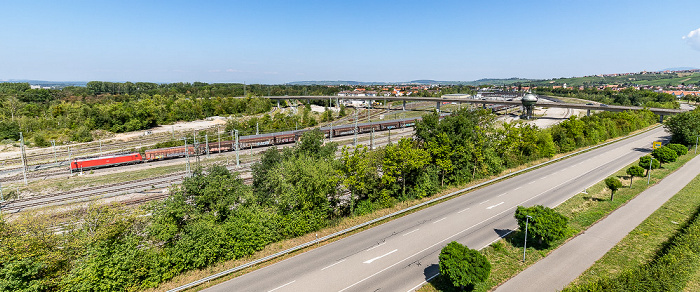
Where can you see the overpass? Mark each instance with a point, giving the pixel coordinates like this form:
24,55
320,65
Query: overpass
438,100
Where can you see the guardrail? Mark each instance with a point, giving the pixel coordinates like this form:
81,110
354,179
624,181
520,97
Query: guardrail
359,226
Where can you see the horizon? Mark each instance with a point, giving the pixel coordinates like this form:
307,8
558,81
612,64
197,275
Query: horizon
276,42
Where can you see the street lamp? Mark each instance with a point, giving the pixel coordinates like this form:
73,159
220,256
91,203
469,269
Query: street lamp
696,143
649,171
527,220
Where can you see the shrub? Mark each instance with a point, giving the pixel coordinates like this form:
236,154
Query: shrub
546,225
644,162
664,154
463,266
678,148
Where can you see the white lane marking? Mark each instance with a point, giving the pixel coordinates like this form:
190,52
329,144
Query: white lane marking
532,182
333,265
407,233
515,189
483,202
440,220
282,286
429,247
494,206
379,257
376,246
463,210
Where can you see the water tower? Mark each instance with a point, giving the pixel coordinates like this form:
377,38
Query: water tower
529,101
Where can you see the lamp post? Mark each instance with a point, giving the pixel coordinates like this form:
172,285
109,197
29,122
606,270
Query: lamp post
696,143
649,171
527,220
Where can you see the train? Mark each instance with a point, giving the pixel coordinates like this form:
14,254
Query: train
244,142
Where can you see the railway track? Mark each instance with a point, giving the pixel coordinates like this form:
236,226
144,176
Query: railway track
140,185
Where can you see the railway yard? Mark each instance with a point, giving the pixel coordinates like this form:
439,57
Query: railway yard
52,183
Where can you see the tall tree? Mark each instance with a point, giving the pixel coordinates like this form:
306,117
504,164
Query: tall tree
402,160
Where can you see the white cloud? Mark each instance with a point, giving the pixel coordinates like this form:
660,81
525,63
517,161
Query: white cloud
693,39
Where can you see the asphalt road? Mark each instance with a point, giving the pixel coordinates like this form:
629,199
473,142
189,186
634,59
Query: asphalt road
401,254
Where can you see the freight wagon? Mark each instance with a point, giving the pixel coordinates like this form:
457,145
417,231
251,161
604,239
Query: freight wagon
170,152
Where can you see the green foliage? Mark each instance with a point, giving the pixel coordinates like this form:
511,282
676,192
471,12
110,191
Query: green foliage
633,171
9,130
40,141
669,272
311,144
613,185
546,225
403,162
678,148
463,266
664,154
82,134
646,159
684,127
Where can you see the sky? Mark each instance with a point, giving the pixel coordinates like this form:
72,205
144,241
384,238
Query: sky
274,42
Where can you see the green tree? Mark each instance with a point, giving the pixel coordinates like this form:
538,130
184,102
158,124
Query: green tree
645,160
311,144
664,154
440,150
613,184
402,160
357,171
464,267
635,170
684,127
546,225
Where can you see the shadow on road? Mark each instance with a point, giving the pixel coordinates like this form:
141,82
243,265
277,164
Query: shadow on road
503,232
431,271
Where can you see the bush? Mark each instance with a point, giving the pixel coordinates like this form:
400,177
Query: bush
644,162
664,154
463,266
545,224
678,148
40,141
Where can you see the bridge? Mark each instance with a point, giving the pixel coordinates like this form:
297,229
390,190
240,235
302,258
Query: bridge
439,100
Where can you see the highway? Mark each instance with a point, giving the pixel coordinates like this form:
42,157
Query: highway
402,254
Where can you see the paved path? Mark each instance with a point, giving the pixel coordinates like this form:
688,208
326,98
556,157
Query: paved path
568,261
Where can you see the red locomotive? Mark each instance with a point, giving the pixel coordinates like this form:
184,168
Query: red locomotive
105,161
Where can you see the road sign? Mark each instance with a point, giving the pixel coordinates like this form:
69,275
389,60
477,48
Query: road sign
656,144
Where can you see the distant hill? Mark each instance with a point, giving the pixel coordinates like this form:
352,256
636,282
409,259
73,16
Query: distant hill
679,69
415,82
649,79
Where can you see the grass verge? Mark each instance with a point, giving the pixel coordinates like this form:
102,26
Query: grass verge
650,239
583,210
